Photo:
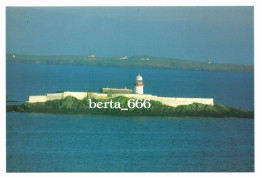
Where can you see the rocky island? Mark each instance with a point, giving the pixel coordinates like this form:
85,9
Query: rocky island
114,101
71,105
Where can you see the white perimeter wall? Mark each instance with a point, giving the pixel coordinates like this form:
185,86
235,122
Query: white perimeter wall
39,98
170,101
184,101
54,96
78,95
100,95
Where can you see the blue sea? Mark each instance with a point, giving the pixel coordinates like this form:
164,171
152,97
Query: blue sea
92,143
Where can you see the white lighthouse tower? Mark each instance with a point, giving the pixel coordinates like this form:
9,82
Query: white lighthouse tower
139,86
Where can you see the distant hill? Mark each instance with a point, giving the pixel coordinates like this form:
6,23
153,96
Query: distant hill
134,61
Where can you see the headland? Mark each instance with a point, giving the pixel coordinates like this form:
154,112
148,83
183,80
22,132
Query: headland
132,61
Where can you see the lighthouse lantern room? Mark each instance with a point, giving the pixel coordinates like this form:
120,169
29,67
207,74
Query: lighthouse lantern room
139,86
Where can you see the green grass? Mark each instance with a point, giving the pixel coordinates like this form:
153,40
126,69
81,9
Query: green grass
72,105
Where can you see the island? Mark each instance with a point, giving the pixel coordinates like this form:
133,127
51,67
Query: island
115,101
133,61
71,105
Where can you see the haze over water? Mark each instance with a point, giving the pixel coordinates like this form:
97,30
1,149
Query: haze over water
218,34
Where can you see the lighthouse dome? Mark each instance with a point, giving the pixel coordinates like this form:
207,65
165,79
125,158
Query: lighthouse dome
139,78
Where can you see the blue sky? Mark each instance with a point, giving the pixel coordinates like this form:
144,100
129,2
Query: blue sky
219,34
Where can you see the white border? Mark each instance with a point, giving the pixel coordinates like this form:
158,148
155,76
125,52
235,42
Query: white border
4,3
128,3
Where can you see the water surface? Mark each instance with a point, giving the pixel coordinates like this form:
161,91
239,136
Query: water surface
227,88
46,142
57,143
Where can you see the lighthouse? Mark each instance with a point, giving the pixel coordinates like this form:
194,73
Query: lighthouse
139,86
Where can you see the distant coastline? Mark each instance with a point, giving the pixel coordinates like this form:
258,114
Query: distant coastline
134,61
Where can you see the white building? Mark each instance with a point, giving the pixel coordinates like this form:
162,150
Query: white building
139,86
124,57
139,94
143,59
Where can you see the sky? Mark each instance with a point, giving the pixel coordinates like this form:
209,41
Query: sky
218,34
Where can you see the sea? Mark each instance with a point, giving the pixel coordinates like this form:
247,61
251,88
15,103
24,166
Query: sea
37,142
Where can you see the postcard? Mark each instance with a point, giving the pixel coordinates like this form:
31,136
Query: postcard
130,89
